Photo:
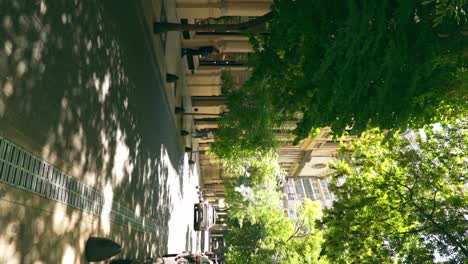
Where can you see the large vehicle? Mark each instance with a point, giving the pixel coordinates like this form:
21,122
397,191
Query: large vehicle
204,216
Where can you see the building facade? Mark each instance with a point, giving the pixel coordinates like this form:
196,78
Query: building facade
204,73
309,178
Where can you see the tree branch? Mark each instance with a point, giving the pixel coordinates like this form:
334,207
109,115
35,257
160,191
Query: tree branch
441,229
415,230
433,203
429,217
298,228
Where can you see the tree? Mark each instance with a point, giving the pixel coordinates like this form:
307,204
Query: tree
161,27
256,225
245,131
361,63
355,65
401,199
306,240
259,232
266,235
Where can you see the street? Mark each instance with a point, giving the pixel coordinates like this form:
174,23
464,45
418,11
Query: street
81,92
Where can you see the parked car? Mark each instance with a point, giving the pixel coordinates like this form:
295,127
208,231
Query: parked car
204,216
185,257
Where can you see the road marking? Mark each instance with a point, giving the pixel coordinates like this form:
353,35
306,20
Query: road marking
23,170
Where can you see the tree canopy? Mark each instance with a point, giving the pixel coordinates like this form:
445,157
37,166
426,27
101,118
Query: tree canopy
259,231
401,198
361,64
245,130
267,236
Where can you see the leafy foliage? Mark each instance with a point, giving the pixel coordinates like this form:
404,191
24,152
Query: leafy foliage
228,83
267,236
403,199
259,232
448,9
245,131
360,63
450,104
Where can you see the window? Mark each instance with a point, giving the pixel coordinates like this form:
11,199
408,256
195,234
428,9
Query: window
324,185
316,187
308,188
299,190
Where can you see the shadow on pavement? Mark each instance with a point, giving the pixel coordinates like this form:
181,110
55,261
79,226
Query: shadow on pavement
78,88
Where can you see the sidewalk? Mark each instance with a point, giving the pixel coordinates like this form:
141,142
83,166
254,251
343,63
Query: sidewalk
167,52
88,105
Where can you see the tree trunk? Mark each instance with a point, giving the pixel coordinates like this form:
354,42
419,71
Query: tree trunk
161,27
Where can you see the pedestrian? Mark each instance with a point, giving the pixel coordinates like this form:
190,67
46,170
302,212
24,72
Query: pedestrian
202,51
